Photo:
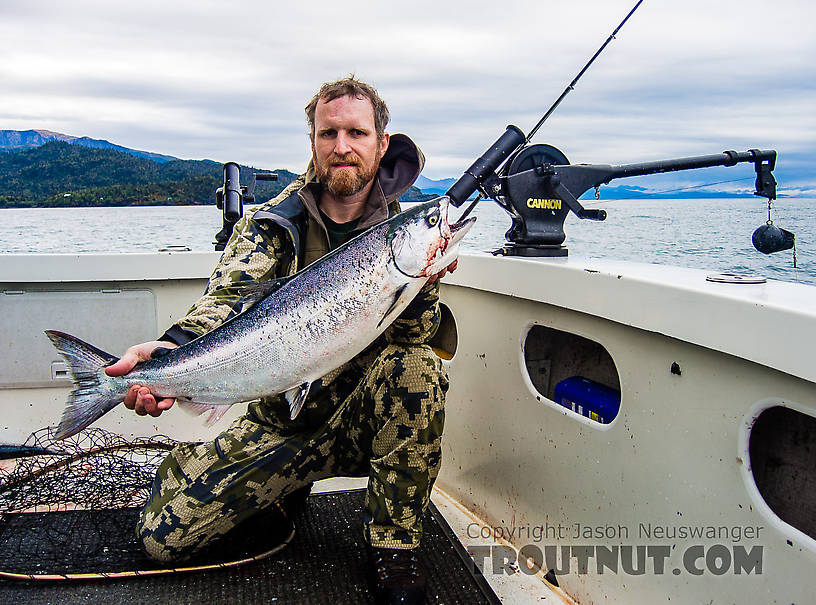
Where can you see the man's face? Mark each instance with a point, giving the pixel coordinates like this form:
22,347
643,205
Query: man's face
345,146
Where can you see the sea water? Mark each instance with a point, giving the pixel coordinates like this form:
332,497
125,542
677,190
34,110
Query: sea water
709,234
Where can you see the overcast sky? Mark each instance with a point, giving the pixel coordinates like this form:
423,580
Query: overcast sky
228,80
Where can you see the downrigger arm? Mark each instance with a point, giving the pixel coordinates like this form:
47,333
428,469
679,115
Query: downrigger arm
538,187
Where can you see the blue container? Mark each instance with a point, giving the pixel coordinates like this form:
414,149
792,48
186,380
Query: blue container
588,398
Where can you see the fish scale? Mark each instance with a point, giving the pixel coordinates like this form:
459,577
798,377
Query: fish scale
305,327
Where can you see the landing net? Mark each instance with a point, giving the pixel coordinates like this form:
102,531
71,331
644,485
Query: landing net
92,470
72,507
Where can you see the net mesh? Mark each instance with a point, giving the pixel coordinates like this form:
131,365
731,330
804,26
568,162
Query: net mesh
73,506
70,510
93,470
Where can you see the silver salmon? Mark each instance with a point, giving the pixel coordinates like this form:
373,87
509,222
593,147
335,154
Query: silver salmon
300,328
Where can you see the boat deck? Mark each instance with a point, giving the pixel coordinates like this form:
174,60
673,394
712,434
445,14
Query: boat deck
510,582
326,544
699,366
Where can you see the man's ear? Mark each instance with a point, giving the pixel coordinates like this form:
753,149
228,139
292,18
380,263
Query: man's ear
384,143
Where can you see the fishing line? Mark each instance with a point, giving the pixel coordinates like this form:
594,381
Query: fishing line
689,188
470,208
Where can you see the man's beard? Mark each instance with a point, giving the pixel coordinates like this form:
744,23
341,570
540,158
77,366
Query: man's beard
345,182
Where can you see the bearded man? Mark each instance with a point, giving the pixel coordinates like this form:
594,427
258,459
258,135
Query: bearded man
380,415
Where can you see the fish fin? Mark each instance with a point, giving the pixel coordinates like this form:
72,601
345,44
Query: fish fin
252,294
91,397
398,298
197,409
297,397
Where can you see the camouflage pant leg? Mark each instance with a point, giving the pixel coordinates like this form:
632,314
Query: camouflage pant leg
403,410
203,490
391,421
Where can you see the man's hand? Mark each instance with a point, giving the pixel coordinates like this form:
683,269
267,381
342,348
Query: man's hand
139,398
443,272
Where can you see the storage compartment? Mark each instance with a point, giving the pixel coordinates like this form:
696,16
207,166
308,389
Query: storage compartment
573,371
446,339
783,462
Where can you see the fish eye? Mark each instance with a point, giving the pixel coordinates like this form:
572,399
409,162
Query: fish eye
433,220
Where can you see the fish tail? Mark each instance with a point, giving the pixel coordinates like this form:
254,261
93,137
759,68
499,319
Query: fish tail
92,396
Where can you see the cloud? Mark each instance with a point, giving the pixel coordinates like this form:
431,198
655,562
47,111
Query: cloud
228,81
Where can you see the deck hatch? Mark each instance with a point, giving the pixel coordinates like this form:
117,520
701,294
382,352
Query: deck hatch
110,319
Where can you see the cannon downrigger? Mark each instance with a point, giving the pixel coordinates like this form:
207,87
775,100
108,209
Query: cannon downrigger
537,186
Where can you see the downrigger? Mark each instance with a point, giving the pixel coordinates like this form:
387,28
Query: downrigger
537,186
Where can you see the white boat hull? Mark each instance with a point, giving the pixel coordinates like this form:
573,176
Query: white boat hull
696,363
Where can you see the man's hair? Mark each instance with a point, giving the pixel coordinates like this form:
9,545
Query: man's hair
353,87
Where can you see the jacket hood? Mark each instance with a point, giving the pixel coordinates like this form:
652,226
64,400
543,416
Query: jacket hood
400,166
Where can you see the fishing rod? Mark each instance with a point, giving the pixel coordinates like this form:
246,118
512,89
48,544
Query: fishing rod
537,186
572,84
514,139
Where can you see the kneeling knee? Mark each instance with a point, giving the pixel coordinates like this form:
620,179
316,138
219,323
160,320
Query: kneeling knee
161,541
152,547
414,382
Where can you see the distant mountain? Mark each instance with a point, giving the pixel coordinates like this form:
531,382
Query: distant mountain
46,168
794,176
632,192
58,173
63,174
430,186
21,140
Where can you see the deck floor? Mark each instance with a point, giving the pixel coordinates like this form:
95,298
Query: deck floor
324,563
511,585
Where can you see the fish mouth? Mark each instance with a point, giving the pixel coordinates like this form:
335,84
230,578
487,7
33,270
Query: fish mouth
430,243
452,233
459,228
